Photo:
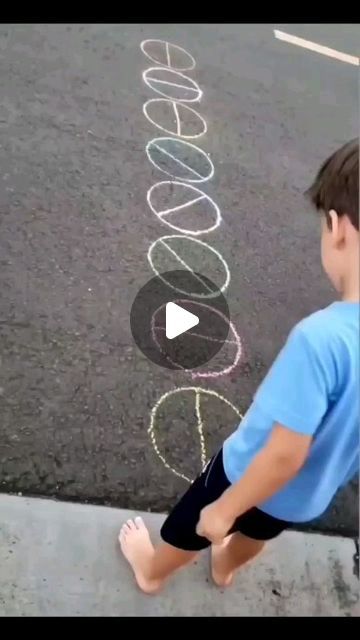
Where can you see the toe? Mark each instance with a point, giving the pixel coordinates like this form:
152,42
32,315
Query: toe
139,522
131,524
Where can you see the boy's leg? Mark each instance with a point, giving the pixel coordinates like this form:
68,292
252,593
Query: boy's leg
151,565
234,552
249,535
181,544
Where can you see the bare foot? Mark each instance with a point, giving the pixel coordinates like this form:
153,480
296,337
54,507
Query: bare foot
220,574
138,550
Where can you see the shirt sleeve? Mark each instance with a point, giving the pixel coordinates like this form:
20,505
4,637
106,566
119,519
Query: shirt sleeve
295,392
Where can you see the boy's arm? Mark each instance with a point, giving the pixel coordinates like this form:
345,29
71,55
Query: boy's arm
273,467
294,396
277,463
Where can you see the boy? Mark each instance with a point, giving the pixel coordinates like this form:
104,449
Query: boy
299,441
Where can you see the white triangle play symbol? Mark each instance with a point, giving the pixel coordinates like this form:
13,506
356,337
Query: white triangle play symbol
178,320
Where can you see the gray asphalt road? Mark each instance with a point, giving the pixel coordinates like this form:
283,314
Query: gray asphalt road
76,394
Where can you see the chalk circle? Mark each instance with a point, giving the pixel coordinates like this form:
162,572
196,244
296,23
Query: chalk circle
197,393
166,150
236,341
206,311
164,52
165,246
149,318
180,114
172,84
194,203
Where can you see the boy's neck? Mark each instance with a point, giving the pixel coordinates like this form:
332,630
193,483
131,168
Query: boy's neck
354,298
351,289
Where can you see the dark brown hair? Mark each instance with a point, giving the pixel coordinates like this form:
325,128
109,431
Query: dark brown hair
336,186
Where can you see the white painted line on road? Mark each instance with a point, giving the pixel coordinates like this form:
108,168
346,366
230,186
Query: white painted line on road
318,48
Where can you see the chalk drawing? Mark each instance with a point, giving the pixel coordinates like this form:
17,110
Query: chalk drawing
235,340
223,372
166,148
164,245
198,392
172,84
165,53
183,200
183,116
190,197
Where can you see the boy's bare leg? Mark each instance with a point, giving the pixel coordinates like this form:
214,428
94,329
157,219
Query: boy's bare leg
234,552
151,566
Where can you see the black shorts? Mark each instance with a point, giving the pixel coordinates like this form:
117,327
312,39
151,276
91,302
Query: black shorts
179,528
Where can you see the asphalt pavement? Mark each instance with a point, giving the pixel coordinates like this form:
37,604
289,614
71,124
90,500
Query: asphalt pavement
76,395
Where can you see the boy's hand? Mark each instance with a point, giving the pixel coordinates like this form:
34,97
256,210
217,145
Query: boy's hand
213,523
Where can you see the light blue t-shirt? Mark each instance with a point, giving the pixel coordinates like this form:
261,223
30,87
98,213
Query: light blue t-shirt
312,388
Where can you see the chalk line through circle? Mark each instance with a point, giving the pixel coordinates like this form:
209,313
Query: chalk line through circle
173,84
158,327
186,266
161,214
155,143
168,52
164,242
230,367
176,106
202,374
166,212
198,391
191,87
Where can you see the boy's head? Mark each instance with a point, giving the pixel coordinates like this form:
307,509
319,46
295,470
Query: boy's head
335,192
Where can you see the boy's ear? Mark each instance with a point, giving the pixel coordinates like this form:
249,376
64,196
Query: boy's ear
336,227
333,220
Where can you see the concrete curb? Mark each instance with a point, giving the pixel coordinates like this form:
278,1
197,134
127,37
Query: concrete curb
60,558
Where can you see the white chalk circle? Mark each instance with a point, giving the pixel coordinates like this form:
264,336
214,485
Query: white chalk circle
172,84
170,253
193,395
175,118
188,204
168,54
179,159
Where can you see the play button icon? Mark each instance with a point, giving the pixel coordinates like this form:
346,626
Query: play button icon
178,320
165,312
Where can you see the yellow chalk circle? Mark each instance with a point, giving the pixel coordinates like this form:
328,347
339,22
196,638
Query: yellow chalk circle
197,393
